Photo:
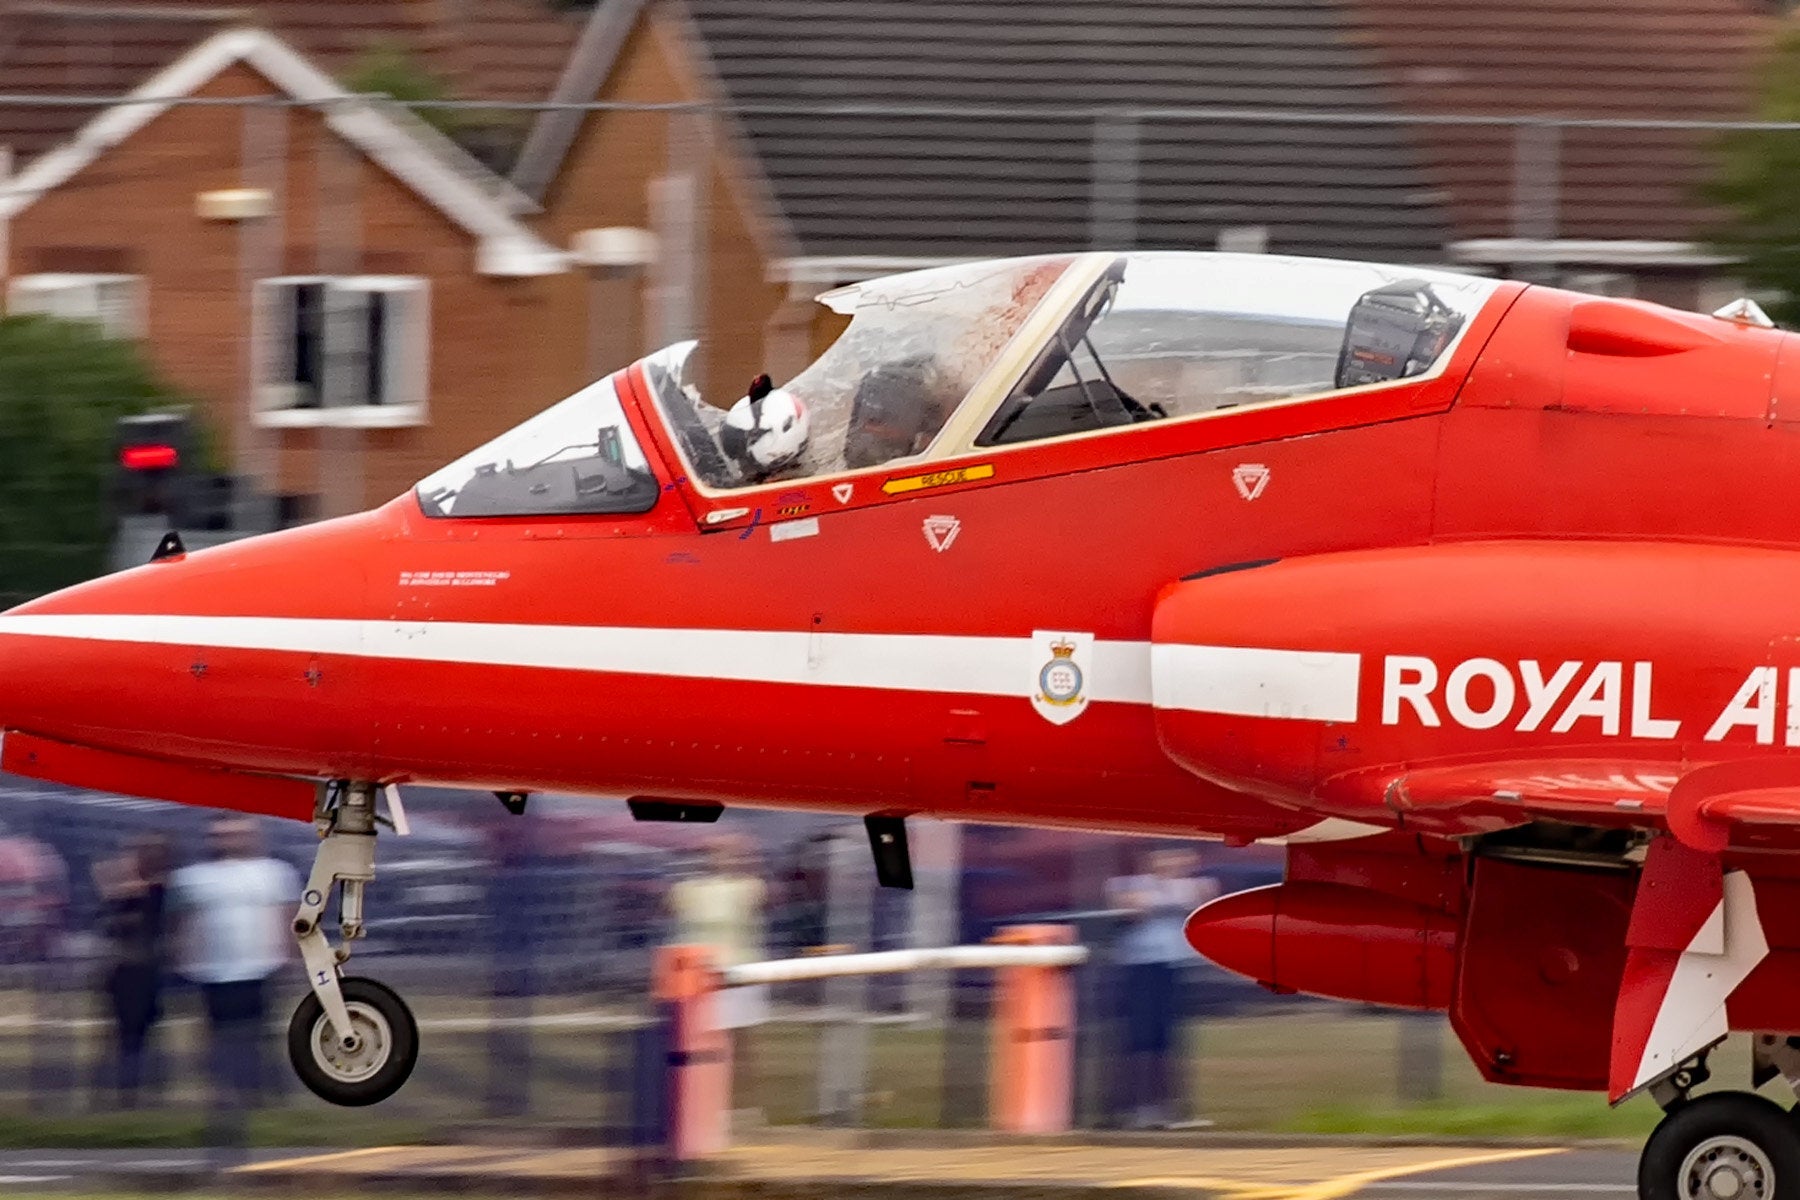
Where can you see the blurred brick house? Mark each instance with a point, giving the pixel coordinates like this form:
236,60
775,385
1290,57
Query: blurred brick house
330,277
861,138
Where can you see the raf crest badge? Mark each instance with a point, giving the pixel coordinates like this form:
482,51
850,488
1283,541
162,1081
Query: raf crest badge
1063,663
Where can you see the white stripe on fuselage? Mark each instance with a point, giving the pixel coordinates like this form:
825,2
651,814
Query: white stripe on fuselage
998,666
1229,680
1239,681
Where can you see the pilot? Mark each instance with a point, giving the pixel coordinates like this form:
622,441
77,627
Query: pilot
766,432
898,408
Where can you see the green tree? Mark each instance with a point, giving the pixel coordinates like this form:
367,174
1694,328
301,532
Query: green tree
389,69
1757,187
63,387
491,135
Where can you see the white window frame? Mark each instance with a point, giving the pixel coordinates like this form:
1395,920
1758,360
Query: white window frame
21,289
406,361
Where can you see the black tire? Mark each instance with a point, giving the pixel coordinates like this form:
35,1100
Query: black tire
1740,1139
391,1035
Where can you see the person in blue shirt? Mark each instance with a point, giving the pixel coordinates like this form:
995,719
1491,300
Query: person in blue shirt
1151,948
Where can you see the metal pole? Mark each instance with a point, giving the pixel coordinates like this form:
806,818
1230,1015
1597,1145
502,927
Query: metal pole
1537,189
937,865
513,913
54,1056
694,146
1113,182
673,215
678,201
1419,1075
678,213
261,240
340,467
614,337
844,1049
787,335
6,165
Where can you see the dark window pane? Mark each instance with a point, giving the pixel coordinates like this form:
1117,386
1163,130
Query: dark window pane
309,343
375,314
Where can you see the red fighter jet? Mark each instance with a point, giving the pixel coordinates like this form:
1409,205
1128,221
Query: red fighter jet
1485,598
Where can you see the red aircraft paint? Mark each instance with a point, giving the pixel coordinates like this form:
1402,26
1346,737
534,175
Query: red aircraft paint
1506,647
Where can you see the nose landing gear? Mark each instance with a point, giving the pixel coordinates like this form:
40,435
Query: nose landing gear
352,1041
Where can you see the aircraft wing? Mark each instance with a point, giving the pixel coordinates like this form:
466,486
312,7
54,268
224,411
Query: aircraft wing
1696,930
1705,807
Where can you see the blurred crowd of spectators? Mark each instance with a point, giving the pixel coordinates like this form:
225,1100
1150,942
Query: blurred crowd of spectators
223,925
152,907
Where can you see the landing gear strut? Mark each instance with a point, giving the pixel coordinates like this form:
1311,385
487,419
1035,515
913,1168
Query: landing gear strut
352,1041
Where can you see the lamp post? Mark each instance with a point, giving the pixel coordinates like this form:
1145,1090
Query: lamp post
615,259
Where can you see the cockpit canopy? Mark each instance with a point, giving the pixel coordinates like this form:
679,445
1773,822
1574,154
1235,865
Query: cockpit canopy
917,345
1001,353
576,457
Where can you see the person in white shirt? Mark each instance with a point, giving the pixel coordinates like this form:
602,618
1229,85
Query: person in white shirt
723,908
232,918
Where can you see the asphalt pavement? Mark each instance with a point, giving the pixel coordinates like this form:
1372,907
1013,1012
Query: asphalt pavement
889,1167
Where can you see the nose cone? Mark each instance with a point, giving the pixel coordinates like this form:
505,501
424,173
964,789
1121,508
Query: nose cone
214,656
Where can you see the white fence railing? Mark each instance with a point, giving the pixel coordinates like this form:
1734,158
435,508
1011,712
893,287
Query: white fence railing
896,962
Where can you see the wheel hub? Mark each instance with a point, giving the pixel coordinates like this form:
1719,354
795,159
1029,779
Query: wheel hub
360,1053
1727,1168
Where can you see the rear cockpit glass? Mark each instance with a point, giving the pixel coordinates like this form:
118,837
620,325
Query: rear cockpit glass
577,457
1177,335
916,345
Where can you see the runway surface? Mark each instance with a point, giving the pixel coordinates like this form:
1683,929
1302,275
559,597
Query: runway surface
1223,1167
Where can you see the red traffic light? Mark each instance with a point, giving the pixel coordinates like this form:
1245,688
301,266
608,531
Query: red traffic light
149,458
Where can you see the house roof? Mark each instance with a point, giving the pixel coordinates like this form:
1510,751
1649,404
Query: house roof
50,49
909,130
584,75
990,142
1667,60
468,195
507,50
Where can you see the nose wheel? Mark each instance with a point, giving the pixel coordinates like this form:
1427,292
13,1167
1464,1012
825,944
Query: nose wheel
352,1041
1722,1146
371,1063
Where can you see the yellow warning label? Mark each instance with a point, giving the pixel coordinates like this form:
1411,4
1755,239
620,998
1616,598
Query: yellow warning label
938,479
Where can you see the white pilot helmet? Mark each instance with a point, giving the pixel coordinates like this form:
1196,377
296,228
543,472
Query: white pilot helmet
765,431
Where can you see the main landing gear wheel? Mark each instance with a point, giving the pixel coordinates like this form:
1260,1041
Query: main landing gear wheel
1723,1146
372,1063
